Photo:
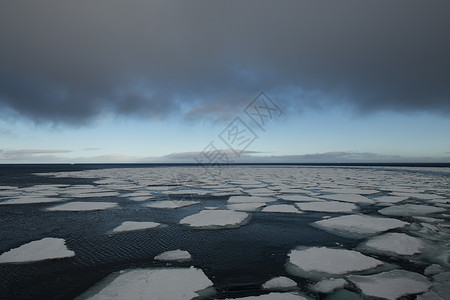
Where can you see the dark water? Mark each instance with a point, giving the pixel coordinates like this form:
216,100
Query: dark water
237,260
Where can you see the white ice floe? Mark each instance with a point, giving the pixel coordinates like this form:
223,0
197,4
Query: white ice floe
391,285
32,199
215,219
348,190
174,255
357,226
394,243
133,226
317,262
44,249
281,208
280,283
419,195
410,210
157,284
328,285
83,206
353,198
141,198
327,206
250,199
390,199
171,204
94,195
211,207
246,206
299,198
272,296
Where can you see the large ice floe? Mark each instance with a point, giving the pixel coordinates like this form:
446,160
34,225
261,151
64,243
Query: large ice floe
216,219
392,284
358,226
281,208
83,206
174,255
410,210
171,204
394,243
155,284
246,206
133,226
44,249
353,198
250,199
318,262
327,206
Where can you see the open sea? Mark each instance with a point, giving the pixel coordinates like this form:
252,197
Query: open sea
238,259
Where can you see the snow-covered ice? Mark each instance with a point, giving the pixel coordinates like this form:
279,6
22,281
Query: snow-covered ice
394,243
316,262
157,284
250,199
328,285
246,206
392,284
327,206
215,219
353,198
281,208
357,226
410,210
44,249
171,204
174,255
280,283
83,206
133,226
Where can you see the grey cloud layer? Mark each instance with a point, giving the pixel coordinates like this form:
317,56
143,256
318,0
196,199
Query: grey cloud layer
70,62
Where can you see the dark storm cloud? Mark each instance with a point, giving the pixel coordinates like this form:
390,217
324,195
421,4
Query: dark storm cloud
71,61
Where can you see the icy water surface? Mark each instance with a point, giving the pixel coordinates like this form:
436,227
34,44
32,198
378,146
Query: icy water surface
330,230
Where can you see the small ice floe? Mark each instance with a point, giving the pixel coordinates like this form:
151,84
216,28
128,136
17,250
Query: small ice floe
321,262
419,195
133,226
211,207
299,198
328,206
348,190
215,219
44,249
261,192
358,226
394,243
171,204
392,284
410,210
83,206
174,255
281,208
272,296
95,194
280,283
433,270
250,199
141,198
429,219
32,200
246,206
176,283
390,199
327,286
353,198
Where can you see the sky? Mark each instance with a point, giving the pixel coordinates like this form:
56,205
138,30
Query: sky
224,81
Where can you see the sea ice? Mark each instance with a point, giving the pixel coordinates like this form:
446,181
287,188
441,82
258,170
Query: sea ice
358,226
281,208
299,198
327,206
215,219
410,210
83,206
95,194
353,198
347,190
171,204
395,243
392,284
132,226
280,283
246,206
174,255
31,200
328,285
272,296
44,249
317,262
390,199
176,283
250,199
433,270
